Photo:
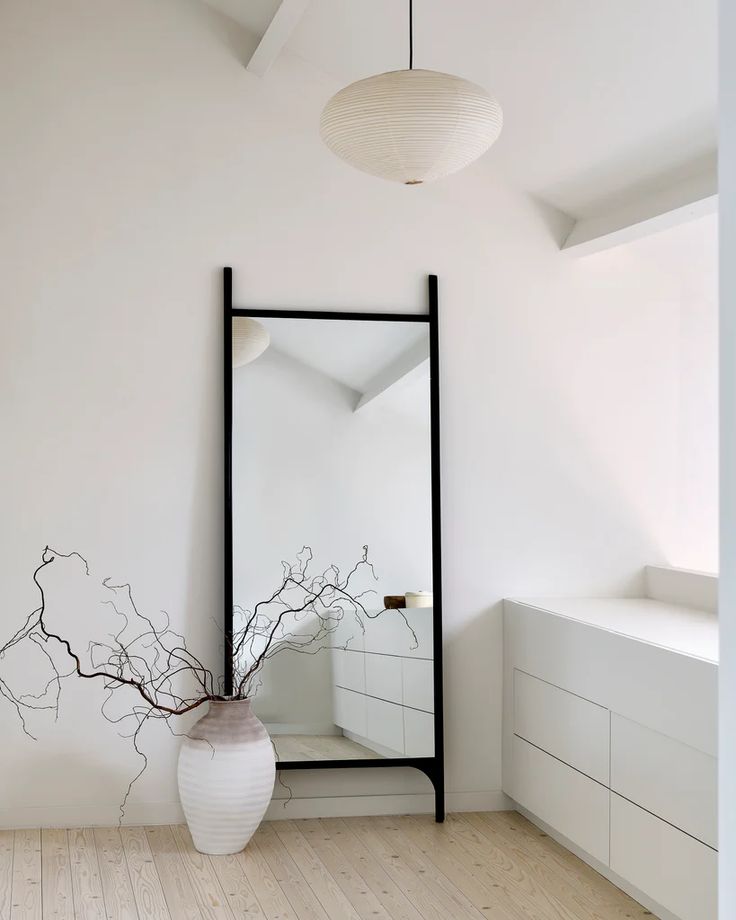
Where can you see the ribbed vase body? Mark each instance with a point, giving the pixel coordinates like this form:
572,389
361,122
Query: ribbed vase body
226,775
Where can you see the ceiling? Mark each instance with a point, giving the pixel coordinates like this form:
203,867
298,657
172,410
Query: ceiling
360,355
353,353
601,98
255,15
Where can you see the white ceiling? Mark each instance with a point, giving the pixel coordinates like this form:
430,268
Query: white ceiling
255,15
601,97
353,353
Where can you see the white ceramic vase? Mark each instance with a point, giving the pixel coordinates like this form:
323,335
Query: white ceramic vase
226,775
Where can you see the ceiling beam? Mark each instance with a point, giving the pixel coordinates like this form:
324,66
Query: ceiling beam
410,365
277,34
669,207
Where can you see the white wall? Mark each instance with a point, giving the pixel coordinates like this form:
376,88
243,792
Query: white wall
686,259
727,581
138,157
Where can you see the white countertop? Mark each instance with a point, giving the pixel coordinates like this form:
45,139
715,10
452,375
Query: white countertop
681,629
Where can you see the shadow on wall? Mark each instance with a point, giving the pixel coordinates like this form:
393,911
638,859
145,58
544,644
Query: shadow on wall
204,612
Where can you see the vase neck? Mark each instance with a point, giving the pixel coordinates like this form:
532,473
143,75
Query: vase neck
228,722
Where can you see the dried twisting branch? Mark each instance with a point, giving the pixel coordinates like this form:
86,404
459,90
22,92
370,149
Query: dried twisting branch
146,657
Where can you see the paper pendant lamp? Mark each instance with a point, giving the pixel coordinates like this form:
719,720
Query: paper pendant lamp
250,339
411,126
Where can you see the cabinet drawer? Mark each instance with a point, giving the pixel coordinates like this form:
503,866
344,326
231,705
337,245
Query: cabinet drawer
418,733
349,710
674,693
406,633
669,778
672,868
421,623
567,726
383,677
418,683
573,804
384,724
348,669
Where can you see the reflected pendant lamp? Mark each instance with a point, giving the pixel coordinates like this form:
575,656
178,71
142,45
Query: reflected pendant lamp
411,126
250,340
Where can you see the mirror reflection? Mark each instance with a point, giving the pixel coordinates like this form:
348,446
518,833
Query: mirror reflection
332,549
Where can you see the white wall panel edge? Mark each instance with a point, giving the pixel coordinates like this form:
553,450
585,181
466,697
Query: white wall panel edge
727,371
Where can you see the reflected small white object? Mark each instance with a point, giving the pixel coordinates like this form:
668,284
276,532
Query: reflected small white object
411,126
250,340
418,598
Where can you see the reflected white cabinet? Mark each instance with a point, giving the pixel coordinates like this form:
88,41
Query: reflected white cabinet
383,682
418,732
417,681
610,740
383,677
384,724
347,670
349,710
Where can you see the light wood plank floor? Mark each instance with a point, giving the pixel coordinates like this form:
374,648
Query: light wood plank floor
320,747
495,866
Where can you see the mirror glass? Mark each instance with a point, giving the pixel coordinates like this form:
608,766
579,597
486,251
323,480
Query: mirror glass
332,535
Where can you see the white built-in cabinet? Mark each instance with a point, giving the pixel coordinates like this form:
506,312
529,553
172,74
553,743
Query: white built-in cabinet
610,712
383,682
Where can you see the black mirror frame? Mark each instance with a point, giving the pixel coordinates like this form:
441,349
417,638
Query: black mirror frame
433,766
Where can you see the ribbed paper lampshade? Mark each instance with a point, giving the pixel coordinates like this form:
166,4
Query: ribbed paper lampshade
250,339
411,126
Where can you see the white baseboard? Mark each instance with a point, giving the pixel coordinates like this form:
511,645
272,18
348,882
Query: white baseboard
599,867
323,807
421,803
91,815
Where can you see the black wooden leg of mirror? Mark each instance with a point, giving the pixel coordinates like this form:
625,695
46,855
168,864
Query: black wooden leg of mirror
438,781
439,800
435,772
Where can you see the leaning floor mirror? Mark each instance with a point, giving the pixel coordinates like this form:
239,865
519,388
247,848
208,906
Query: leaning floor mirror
333,595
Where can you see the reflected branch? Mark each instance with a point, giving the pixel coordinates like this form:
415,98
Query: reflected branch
147,670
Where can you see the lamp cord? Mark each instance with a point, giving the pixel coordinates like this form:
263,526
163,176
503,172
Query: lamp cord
411,34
